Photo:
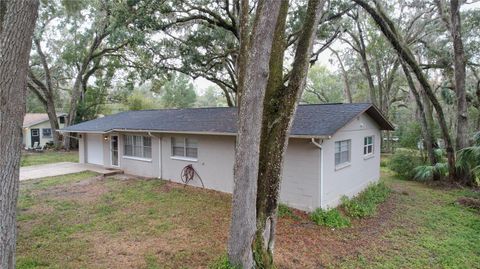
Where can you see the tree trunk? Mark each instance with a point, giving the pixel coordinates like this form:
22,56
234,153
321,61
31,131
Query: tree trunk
404,52
17,24
368,74
280,106
53,119
427,132
266,224
48,94
74,101
478,107
348,91
256,70
459,64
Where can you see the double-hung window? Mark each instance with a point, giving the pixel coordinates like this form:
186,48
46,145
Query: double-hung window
137,146
184,147
368,145
342,152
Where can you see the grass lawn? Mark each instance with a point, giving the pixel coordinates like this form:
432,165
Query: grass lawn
85,221
34,158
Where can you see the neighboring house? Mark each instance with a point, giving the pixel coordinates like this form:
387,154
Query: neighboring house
334,149
37,128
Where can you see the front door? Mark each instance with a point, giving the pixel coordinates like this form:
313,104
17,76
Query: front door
114,149
35,137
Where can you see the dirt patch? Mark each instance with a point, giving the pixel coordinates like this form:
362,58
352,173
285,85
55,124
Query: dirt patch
301,244
86,190
125,251
469,202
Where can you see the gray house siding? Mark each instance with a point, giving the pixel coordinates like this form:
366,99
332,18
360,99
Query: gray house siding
311,178
362,170
214,163
301,175
299,189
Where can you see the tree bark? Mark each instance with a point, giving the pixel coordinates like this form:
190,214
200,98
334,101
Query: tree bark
280,106
459,65
256,71
389,30
48,94
74,102
362,50
478,107
427,133
348,91
17,27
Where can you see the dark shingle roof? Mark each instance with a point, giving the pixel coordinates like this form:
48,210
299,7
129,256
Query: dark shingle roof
310,120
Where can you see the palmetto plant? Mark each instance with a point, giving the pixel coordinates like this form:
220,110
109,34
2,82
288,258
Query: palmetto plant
426,172
469,159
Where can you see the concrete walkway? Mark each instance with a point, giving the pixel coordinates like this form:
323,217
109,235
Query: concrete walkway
58,169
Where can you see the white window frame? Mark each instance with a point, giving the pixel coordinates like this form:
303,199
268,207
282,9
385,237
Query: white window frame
366,145
185,156
345,163
141,149
37,131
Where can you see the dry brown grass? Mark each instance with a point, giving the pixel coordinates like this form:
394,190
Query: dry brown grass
85,221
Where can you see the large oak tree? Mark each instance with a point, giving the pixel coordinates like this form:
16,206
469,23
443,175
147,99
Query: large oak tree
17,20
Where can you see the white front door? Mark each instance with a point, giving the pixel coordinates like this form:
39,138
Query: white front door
95,149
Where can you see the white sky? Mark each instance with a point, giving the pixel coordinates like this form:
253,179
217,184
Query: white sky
201,84
325,58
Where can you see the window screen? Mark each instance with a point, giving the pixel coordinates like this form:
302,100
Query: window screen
368,145
184,147
137,146
342,152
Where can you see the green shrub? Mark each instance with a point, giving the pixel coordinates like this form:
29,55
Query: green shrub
330,218
409,132
468,159
365,204
285,211
404,162
426,172
222,263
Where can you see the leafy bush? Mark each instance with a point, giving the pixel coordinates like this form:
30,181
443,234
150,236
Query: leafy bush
330,218
409,133
365,204
469,159
403,162
426,172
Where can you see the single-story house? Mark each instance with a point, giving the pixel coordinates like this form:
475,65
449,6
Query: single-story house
334,149
37,129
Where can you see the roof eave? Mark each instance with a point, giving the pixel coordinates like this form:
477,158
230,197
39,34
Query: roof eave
306,136
378,116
